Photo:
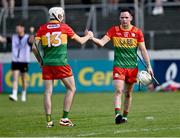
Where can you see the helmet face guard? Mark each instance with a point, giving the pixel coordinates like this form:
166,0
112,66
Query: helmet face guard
56,13
145,78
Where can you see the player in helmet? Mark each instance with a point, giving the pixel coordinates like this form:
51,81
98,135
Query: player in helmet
53,37
56,13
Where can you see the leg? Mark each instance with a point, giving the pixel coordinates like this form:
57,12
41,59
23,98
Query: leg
24,86
128,98
5,6
48,84
119,87
158,3
127,101
47,95
47,102
13,96
15,79
130,80
11,6
70,86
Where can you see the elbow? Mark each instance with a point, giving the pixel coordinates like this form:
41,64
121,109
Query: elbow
82,42
100,44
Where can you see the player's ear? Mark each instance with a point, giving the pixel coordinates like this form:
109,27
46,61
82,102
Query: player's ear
131,17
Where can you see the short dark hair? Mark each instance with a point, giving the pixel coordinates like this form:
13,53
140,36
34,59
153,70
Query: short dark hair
20,24
127,10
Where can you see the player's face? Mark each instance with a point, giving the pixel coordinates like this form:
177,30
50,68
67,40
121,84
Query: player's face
19,30
125,19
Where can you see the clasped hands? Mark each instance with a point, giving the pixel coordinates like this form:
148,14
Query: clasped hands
90,33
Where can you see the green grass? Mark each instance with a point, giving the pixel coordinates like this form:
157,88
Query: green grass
152,114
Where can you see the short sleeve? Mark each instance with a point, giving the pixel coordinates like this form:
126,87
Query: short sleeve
69,31
140,37
38,34
110,32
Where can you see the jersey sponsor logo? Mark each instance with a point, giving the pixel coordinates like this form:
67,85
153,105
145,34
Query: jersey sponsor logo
124,42
53,26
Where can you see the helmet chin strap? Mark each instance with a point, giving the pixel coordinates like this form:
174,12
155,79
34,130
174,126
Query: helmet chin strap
56,17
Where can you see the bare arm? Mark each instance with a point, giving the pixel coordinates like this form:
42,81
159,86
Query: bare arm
31,39
145,56
83,39
102,41
31,36
36,52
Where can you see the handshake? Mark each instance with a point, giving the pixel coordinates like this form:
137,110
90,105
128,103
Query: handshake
99,42
90,34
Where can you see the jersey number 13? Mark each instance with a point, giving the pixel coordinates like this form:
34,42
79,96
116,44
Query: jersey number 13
53,39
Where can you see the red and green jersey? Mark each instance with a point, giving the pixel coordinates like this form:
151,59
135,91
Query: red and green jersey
125,44
54,39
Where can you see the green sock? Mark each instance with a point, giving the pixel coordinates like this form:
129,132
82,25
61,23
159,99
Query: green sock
48,117
65,114
125,114
117,111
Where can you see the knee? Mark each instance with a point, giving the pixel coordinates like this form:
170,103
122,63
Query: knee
48,94
15,79
128,95
72,89
118,91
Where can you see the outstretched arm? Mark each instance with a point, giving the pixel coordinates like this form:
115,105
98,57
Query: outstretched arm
84,39
102,41
145,56
36,52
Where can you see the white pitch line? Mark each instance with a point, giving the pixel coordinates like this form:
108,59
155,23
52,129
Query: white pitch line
130,130
89,134
145,130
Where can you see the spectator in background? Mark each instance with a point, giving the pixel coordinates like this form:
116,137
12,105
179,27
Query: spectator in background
158,9
113,4
8,5
21,46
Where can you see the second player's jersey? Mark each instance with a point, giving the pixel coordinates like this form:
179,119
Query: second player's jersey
54,39
125,44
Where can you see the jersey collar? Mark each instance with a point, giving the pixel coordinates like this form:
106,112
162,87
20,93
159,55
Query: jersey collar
54,21
130,28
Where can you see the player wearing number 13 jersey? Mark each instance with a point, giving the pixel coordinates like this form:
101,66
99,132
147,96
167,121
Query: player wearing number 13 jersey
53,38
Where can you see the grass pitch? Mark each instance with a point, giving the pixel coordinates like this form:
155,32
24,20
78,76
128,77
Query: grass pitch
152,115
